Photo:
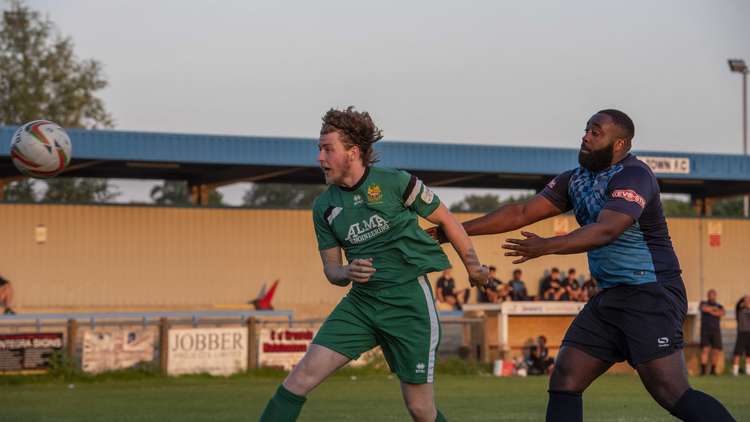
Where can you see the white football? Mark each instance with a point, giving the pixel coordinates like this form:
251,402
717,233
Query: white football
40,149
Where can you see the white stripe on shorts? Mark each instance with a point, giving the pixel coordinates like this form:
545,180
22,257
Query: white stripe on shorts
434,327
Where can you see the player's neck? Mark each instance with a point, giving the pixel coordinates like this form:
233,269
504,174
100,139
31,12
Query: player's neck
353,177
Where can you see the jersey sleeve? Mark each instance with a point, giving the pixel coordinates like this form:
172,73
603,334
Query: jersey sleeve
629,191
416,196
556,191
323,232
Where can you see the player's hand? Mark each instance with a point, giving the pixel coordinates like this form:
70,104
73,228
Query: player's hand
478,276
360,270
437,234
531,247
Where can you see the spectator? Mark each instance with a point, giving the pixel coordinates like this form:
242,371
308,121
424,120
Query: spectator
588,290
491,291
711,313
572,286
6,295
550,284
447,293
743,336
518,287
539,361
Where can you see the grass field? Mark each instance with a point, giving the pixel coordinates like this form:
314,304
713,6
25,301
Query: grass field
370,397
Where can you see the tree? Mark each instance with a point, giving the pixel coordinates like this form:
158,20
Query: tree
175,192
280,195
41,78
79,190
21,191
677,208
484,203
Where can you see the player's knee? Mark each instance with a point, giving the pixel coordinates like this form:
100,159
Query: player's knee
564,378
421,410
666,394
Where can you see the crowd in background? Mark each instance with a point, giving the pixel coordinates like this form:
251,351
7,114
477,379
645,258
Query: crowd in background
553,286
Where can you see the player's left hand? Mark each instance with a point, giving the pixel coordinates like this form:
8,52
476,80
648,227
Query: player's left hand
531,247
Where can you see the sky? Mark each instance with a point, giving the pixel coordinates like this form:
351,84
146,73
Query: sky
508,72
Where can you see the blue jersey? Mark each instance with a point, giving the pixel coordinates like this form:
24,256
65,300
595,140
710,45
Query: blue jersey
643,253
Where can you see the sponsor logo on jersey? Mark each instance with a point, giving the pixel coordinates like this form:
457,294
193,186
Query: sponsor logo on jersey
367,229
630,196
358,200
374,194
427,195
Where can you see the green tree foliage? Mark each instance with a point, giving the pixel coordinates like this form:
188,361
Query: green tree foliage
41,78
484,203
175,192
279,195
677,208
79,190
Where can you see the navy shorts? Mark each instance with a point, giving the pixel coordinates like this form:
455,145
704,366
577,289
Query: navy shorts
711,338
637,323
743,344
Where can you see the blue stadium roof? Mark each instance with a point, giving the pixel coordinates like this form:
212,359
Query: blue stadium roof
217,160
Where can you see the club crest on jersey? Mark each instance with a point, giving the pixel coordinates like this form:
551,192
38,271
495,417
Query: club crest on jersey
367,229
374,194
630,196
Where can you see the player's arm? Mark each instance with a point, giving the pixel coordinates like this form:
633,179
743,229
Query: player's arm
440,295
358,271
512,216
460,241
609,226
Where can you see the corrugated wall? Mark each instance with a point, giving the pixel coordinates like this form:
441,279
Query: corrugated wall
125,256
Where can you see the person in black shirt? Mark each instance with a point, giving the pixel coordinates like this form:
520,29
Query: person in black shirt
446,290
742,346
711,313
539,361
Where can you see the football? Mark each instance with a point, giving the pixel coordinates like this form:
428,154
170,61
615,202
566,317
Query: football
40,149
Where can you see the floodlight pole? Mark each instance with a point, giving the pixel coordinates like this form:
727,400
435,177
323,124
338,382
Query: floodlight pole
746,199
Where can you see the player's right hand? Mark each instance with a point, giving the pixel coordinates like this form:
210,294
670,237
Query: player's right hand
478,276
437,234
360,270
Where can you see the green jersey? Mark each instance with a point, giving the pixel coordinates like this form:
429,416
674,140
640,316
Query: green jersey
377,218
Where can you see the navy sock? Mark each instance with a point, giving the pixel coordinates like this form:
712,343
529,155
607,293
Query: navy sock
697,406
564,406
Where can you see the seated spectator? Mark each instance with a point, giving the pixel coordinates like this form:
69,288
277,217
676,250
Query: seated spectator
588,290
571,286
6,295
490,293
539,361
447,293
518,287
546,284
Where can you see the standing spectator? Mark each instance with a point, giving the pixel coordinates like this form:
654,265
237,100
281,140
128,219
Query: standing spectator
6,295
743,336
518,287
447,293
711,313
539,361
572,286
491,291
588,290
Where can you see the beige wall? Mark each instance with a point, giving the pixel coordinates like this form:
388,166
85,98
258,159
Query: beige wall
127,256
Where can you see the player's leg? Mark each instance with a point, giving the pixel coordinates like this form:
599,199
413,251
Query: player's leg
666,380
590,347
345,334
573,372
409,334
735,363
705,350
420,401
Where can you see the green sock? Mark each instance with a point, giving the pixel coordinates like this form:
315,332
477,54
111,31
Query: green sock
284,406
440,417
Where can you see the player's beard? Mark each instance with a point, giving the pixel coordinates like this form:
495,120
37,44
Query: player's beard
597,160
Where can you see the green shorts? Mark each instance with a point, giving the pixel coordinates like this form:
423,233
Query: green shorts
401,319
